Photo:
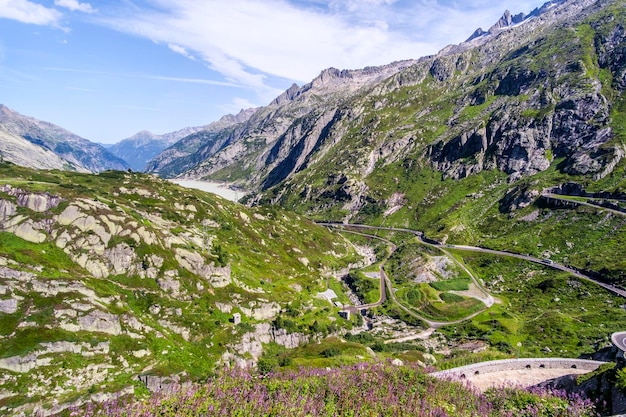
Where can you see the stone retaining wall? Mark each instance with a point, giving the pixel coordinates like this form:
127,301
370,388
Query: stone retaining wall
518,364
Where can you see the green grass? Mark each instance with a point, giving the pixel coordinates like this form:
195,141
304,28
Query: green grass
540,308
459,284
56,262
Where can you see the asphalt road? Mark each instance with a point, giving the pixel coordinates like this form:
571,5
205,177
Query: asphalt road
582,203
386,282
551,264
619,340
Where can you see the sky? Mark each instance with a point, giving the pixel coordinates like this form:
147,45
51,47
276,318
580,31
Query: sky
107,69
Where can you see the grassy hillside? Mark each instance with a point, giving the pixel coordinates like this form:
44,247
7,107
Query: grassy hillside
106,277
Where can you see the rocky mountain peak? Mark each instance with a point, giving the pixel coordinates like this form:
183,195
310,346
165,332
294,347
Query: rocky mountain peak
142,134
5,111
508,19
287,96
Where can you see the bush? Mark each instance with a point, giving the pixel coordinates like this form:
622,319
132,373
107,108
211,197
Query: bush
331,351
448,297
459,284
620,381
267,365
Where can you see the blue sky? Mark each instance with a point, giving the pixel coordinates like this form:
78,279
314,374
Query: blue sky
108,69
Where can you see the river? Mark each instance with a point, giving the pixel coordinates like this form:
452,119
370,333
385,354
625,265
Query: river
218,188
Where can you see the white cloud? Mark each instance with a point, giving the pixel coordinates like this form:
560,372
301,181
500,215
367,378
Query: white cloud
239,104
28,12
192,80
144,76
180,50
247,41
74,5
357,5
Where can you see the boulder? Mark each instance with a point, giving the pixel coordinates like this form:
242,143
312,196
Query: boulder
99,321
8,306
28,232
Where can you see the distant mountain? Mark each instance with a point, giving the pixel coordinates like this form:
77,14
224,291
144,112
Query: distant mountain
193,148
79,153
140,148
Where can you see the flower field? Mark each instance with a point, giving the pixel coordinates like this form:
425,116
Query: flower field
361,390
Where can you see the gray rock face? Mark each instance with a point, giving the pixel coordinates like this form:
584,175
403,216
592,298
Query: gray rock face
252,343
162,384
194,262
36,202
76,152
7,209
8,306
101,322
122,258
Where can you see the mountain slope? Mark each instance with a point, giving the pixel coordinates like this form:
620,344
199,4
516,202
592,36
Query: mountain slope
508,79
142,147
24,153
462,145
193,148
243,151
75,150
106,277
455,143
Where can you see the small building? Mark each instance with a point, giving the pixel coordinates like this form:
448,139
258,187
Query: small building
236,318
345,314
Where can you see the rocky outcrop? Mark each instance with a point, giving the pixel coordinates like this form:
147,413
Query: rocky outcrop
194,262
39,202
162,384
8,306
518,198
252,344
98,322
7,210
260,310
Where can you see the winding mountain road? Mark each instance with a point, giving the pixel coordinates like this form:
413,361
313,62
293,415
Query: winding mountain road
383,276
568,199
619,340
545,262
385,282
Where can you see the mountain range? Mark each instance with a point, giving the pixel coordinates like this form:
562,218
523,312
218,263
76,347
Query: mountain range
532,93
143,146
495,167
